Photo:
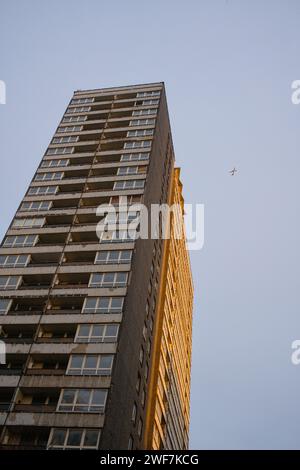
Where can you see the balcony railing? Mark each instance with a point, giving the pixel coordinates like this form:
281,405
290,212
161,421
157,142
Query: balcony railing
10,371
29,408
45,371
55,340
4,406
22,446
18,340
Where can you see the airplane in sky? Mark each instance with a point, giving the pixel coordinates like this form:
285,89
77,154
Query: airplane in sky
233,171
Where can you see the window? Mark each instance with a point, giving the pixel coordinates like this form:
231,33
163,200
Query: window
137,144
90,364
140,133
145,331
118,279
49,176
55,163
42,190
125,199
118,236
20,240
26,222
36,206
81,109
82,100
134,413
129,184
14,261
61,438
122,217
144,112
140,427
143,397
134,157
145,94
9,282
5,306
67,129
149,102
102,333
60,150
82,400
141,355
127,170
74,118
65,140
113,257
131,170
138,383
103,305
130,443
142,122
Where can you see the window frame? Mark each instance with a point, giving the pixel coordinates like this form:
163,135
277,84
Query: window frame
4,311
119,260
6,285
108,284
93,339
98,309
85,370
20,245
66,438
90,407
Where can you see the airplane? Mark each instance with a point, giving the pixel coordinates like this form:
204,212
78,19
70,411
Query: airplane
233,171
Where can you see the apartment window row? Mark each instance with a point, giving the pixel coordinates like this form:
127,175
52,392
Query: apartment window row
55,163
42,190
74,119
14,261
103,305
80,109
142,122
60,150
137,144
57,175
36,206
20,241
144,112
131,170
91,304
65,140
113,257
68,129
64,438
140,133
130,184
10,282
90,364
102,333
27,222
118,279
82,400
82,100
134,157
145,94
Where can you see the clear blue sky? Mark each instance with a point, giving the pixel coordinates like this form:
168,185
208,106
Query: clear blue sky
228,68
